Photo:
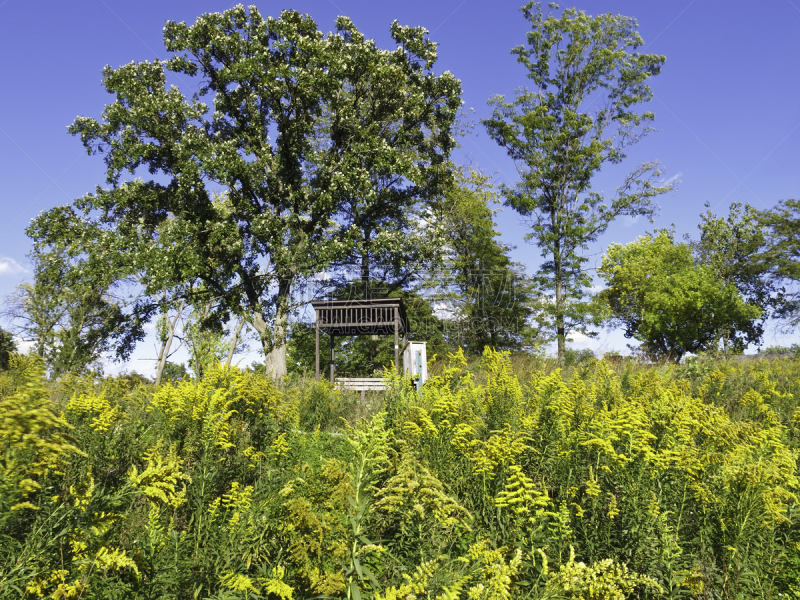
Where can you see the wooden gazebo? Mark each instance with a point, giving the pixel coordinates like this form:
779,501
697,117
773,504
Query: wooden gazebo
380,316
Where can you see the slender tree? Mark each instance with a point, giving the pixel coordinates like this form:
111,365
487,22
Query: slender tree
71,321
578,116
167,327
490,299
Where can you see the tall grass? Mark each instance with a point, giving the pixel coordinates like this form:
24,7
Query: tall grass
504,478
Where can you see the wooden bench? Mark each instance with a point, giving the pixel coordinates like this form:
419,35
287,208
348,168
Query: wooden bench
362,384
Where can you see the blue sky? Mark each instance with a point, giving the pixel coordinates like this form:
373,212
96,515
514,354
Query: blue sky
726,103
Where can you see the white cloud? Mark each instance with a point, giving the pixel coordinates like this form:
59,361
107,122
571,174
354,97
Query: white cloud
444,310
581,341
629,221
23,346
8,266
606,341
675,179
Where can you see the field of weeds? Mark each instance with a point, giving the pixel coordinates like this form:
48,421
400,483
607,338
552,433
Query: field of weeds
504,478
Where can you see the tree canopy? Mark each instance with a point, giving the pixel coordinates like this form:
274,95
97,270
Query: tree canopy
263,163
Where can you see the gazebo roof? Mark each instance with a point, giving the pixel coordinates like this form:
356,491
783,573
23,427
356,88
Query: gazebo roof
361,317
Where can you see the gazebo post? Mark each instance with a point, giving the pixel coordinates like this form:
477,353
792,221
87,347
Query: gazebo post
397,340
316,354
332,338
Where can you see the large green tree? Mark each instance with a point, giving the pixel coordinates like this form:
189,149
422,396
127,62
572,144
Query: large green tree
670,303
780,258
249,175
577,116
730,247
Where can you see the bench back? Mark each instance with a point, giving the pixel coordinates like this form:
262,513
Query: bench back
362,384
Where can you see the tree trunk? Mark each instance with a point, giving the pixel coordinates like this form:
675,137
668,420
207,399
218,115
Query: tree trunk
196,342
561,333
367,291
262,329
165,347
275,345
275,354
234,342
365,266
